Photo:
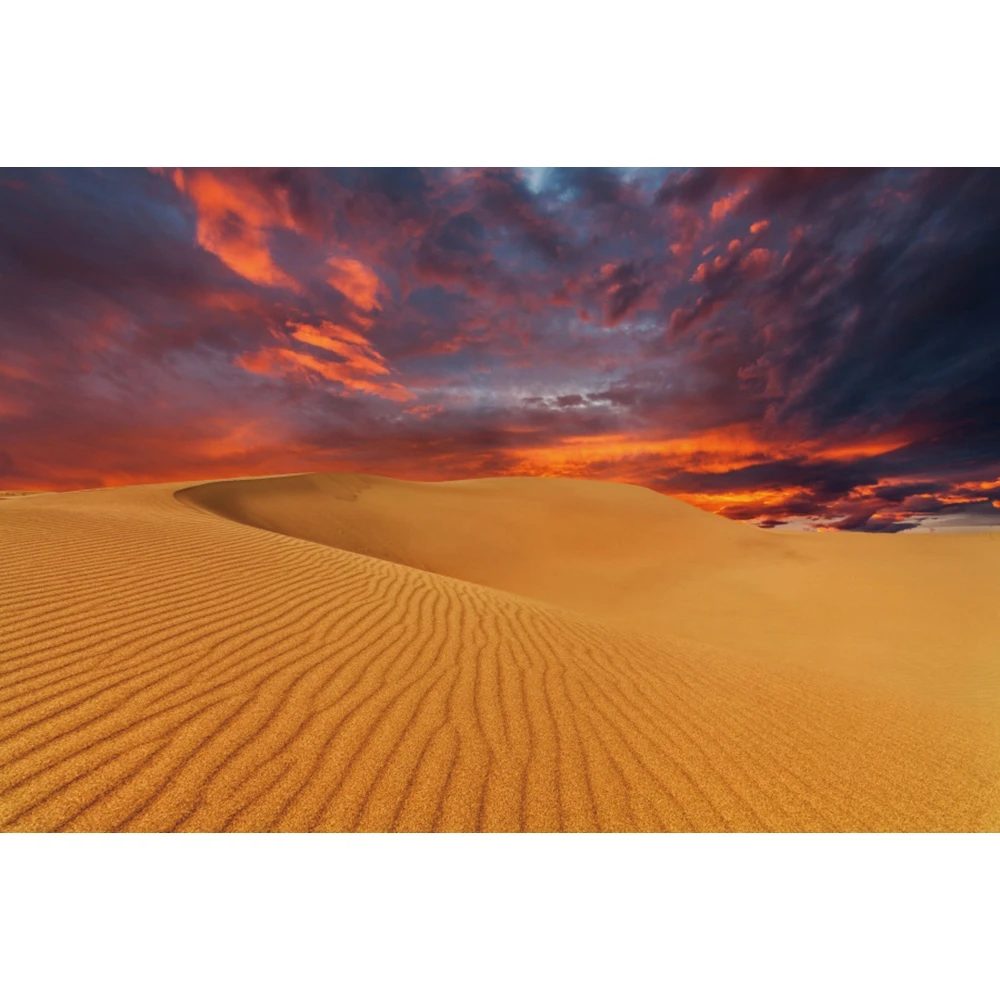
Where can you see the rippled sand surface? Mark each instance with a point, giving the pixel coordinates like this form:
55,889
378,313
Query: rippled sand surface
347,652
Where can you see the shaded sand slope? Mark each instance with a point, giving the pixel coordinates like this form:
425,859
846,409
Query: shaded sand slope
163,667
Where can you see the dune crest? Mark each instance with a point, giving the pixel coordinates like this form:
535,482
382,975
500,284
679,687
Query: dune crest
484,655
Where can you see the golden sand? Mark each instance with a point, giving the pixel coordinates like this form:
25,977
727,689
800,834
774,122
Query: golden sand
512,654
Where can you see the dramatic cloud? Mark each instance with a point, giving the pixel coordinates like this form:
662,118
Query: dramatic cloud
357,283
234,217
792,348
359,367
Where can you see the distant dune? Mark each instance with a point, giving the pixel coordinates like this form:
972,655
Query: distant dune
347,652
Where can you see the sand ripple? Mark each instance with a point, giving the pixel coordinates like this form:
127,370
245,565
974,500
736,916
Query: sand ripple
164,667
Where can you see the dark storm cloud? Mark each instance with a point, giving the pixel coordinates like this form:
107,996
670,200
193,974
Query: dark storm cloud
913,318
901,491
882,317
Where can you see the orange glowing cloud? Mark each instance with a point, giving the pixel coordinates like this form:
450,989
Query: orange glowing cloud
706,269
757,262
724,206
359,369
718,503
688,225
352,347
234,216
358,283
868,448
759,227
276,361
715,450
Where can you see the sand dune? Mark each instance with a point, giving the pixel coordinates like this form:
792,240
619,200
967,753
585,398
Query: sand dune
486,655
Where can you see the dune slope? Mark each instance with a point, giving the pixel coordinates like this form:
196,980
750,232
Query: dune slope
490,655
919,609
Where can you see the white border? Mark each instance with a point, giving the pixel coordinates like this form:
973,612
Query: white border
445,82
498,915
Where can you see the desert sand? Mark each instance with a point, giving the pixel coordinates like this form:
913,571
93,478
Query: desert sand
348,652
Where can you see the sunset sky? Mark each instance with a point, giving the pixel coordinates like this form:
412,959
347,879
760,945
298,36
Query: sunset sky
795,348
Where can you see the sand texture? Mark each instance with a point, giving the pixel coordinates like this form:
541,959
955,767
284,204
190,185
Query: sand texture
348,652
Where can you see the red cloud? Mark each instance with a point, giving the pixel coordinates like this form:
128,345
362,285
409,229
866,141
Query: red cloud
681,320
728,204
352,347
283,361
233,218
360,368
757,262
358,283
687,229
